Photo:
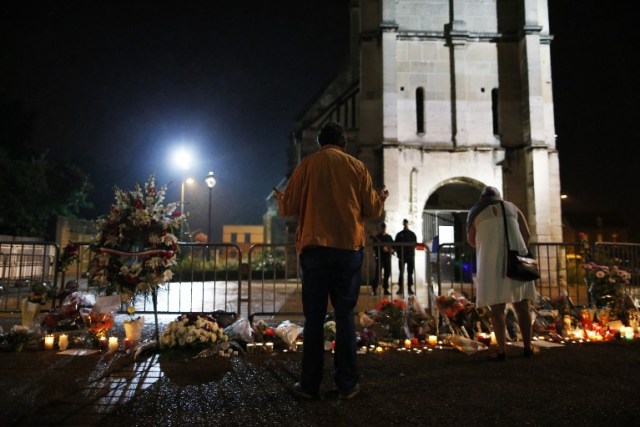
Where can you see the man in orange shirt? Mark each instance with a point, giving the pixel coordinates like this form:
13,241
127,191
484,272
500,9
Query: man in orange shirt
331,193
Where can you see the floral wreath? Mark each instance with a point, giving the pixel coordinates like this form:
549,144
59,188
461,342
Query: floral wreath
135,247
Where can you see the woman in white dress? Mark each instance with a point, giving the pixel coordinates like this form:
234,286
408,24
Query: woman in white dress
485,232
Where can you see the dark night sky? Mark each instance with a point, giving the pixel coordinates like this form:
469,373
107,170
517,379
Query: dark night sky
117,85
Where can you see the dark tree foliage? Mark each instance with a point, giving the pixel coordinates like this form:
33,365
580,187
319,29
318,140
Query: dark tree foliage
36,190
33,188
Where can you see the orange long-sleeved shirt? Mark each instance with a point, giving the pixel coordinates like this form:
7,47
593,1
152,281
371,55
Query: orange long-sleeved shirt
331,193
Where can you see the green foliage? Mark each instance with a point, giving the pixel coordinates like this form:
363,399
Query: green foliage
36,189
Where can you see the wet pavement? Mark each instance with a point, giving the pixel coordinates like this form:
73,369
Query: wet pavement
577,384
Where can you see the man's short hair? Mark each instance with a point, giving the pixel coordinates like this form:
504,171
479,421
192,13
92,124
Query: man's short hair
332,134
405,222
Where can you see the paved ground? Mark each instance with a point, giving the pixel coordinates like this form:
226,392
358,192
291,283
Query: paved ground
578,384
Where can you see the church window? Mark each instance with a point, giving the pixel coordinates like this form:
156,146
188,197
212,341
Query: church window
420,125
494,111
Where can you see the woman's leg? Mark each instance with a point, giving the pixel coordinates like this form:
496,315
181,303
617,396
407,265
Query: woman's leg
524,321
499,327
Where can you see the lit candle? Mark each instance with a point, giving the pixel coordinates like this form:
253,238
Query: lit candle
433,340
407,343
113,343
299,346
628,333
259,347
127,344
63,342
269,347
48,342
250,347
378,349
493,341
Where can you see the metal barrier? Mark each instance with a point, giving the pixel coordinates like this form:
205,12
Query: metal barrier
561,268
213,277
208,278
22,264
273,282
275,286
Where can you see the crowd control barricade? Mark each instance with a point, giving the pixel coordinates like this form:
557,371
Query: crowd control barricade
561,267
455,269
207,279
23,264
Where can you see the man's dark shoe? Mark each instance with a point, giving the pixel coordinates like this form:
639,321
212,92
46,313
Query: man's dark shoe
411,292
400,292
386,292
299,392
350,394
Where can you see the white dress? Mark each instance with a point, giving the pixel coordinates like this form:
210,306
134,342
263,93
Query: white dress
492,286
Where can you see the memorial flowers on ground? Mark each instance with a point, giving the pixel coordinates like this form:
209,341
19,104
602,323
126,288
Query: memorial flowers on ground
606,282
392,315
193,330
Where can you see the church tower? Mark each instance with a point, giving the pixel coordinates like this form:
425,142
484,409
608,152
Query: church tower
443,97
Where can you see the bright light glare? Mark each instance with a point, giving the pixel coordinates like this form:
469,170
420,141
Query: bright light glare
183,158
189,181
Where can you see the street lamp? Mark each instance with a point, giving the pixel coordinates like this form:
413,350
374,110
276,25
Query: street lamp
182,207
210,180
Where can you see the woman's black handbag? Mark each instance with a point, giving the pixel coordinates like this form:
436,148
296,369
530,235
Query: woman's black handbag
523,268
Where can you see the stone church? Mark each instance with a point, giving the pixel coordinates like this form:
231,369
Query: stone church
441,98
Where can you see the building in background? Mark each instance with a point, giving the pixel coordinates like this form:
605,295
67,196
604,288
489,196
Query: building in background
441,98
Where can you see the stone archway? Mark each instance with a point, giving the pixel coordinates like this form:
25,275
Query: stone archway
448,206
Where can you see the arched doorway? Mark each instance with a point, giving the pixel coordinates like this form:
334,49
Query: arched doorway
444,223
445,213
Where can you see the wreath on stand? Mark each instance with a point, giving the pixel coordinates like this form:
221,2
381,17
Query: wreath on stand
135,247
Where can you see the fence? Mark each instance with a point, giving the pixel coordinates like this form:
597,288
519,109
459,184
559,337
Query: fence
23,264
215,276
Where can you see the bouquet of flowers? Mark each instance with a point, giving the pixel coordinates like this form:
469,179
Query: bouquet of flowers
450,305
392,314
606,282
330,331
263,332
193,330
18,337
135,247
39,293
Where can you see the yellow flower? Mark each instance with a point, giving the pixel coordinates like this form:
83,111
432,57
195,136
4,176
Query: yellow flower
131,310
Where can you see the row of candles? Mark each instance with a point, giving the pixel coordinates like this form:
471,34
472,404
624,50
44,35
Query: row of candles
104,343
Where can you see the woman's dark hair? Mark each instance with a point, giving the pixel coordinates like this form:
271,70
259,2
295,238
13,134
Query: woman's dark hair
332,133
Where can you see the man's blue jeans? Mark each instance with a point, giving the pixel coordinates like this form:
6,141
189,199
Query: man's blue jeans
335,274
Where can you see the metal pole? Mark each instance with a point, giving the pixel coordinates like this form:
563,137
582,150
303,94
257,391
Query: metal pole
209,229
182,209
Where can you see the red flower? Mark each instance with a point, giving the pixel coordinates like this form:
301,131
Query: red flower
270,332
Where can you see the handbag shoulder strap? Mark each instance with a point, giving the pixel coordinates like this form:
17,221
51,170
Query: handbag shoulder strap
506,229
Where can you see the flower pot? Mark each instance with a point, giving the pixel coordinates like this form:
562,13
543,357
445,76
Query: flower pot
133,330
29,312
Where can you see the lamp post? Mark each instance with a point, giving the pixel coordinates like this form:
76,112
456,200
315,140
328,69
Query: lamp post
210,180
182,203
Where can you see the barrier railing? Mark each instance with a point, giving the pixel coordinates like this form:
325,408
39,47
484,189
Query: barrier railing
214,277
22,264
